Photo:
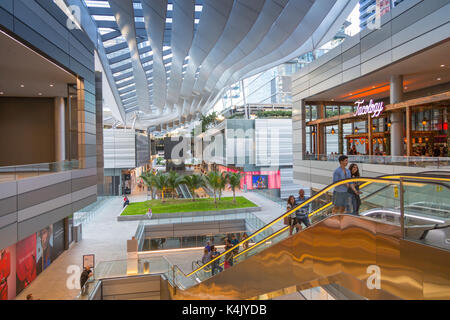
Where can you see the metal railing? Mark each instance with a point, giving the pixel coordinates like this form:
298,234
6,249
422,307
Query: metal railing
86,214
12,173
422,162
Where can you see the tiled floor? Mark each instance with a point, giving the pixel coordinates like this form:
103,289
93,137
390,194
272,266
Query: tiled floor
105,237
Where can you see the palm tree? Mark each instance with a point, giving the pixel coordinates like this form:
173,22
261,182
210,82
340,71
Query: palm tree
193,182
161,183
149,180
234,179
222,183
214,180
174,180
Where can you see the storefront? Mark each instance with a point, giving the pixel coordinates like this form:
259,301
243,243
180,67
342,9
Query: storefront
364,127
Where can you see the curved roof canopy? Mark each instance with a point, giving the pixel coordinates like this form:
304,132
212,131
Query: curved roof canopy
169,60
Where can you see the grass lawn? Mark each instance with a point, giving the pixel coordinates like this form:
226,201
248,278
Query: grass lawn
185,205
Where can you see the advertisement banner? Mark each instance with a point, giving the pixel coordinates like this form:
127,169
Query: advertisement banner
44,246
25,262
8,273
58,239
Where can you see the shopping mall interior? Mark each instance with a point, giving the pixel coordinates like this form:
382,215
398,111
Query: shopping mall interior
224,150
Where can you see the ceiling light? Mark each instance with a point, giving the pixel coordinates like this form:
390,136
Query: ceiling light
442,65
22,86
39,94
406,88
1,92
52,85
438,79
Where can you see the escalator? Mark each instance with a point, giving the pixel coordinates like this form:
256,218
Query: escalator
397,248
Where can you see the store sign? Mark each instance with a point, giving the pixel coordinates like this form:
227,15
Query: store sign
372,108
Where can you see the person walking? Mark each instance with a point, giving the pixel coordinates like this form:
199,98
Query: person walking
245,245
354,192
208,246
229,255
340,194
302,214
292,220
206,256
234,242
216,264
85,275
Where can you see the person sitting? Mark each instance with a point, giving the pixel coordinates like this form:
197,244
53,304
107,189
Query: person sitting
126,201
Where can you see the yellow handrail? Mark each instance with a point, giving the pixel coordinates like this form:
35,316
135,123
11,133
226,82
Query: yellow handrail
367,181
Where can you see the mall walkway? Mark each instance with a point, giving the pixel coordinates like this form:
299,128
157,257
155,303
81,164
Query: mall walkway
105,237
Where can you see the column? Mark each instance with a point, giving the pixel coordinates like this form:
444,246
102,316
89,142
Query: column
370,133
60,132
299,130
396,117
341,137
408,132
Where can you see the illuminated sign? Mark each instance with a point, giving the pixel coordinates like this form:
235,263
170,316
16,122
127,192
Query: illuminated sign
372,108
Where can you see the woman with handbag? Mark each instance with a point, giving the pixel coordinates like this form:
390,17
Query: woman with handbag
354,192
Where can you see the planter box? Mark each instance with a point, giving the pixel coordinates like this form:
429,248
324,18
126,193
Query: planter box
186,214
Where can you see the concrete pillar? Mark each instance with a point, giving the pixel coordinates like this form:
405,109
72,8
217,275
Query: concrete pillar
370,134
397,133
341,137
60,132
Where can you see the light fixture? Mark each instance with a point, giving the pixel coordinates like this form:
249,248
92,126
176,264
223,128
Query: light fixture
332,131
356,129
404,140
442,65
51,85
374,128
406,88
424,122
438,79
39,94
389,124
22,86
1,93
426,139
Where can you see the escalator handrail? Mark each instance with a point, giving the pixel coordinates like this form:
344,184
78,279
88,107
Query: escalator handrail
393,179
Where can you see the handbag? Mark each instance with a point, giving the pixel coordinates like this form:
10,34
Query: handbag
226,264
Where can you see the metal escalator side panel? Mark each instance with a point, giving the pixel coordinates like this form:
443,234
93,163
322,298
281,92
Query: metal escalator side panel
341,249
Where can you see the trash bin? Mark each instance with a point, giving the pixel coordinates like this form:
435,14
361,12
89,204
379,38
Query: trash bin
77,232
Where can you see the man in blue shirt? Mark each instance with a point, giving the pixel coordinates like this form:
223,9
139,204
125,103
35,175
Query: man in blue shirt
302,214
340,194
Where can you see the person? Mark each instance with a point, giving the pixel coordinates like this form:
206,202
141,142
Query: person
353,190
229,255
208,246
30,296
340,194
206,256
125,201
245,236
234,241
301,214
436,152
292,221
378,152
85,275
149,213
353,151
215,264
